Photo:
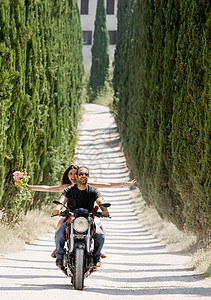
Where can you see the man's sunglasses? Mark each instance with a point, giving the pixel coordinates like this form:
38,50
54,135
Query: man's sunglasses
83,174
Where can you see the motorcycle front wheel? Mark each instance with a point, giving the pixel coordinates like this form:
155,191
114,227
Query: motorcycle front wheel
79,269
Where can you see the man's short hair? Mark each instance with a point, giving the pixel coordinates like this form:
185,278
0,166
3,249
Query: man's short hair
80,167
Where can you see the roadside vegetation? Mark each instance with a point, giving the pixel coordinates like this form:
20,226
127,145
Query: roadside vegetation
105,96
33,224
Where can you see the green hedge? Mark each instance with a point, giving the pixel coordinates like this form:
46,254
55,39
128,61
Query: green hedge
162,105
41,75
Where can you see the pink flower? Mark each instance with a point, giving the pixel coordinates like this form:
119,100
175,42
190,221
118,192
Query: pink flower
21,179
17,175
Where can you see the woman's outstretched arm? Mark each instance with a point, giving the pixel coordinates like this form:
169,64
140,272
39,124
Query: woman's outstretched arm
113,184
60,188
46,188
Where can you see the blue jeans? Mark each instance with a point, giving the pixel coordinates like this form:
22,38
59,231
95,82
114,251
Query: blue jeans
60,238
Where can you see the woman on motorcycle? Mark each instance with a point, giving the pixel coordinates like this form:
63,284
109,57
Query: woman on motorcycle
69,178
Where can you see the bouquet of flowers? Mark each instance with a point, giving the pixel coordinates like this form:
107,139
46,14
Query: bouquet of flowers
21,179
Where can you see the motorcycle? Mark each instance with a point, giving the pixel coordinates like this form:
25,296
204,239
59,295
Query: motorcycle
78,261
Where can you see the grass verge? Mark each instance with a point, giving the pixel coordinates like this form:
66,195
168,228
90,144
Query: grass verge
104,98
34,224
173,238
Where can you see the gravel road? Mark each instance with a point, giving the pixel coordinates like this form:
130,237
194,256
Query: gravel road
137,266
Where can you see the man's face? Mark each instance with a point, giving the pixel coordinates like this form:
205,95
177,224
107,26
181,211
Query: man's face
83,176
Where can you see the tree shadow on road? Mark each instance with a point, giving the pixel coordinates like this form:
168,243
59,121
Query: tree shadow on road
147,291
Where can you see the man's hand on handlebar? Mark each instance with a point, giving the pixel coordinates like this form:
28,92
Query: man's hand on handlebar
56,212
105,213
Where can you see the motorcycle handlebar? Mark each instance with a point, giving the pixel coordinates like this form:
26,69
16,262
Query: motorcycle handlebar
67,213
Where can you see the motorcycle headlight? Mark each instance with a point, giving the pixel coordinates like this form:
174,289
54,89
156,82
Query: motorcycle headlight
80,224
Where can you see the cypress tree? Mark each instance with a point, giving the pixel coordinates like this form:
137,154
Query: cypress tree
41,71
162,106
6,86
191,171
100,56
168,199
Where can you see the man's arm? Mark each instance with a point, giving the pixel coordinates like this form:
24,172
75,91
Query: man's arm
58,208
100,201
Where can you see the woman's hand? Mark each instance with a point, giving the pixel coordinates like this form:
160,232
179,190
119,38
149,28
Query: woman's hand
130,183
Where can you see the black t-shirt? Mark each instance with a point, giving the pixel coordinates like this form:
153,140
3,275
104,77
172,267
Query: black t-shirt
81,198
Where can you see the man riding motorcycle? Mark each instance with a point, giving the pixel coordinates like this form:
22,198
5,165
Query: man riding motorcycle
80,195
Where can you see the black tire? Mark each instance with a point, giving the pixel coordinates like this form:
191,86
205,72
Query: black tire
79,269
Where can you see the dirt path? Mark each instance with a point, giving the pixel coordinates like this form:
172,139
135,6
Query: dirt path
137,266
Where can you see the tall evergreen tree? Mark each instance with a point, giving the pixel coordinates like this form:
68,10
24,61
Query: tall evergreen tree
162,104
100,55
41,72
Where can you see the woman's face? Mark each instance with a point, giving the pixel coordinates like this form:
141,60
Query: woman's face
72,175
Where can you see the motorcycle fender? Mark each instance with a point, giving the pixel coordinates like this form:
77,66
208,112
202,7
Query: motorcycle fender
80,246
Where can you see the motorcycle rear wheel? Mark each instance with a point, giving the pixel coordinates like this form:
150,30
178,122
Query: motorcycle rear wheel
79,269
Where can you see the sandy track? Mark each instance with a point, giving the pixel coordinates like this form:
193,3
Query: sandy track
137,266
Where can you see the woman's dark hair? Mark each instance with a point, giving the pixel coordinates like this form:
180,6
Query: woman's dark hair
65,178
